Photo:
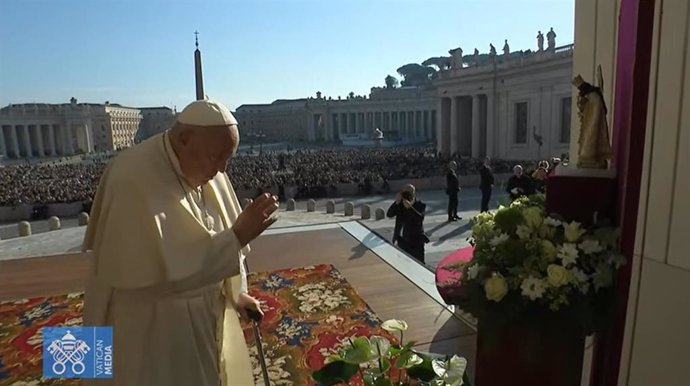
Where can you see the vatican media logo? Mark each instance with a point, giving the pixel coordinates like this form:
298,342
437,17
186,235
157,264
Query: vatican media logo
77,352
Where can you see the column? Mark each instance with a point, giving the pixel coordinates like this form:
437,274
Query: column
89,142
350,124
3,146
453,125
39,140
14,141
419,122
69,140
428,125
476,151
27,142
51,140
410,123
490,126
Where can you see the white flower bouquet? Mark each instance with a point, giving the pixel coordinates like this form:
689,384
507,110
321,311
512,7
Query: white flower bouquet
527,262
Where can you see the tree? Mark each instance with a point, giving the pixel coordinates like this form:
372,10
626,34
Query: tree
441,62
416,74
391,82
351,95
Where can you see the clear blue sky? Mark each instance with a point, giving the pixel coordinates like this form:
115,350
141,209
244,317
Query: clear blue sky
140,53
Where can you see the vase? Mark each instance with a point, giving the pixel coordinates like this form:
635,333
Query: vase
543,351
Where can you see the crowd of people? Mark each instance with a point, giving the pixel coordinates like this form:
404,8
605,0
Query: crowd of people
315,172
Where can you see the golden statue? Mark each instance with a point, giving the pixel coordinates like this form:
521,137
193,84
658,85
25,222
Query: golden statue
594,146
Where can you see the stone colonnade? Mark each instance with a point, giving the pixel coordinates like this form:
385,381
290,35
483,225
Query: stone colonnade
404,124
44,140
466,125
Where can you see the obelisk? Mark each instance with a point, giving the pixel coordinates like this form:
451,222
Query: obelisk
197,70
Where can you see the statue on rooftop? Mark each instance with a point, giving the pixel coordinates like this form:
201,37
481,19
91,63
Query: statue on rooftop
492,50
551,39
456,58
540,41
594,150
506,48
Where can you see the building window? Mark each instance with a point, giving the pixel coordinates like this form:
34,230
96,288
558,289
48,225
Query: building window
566,105
521,123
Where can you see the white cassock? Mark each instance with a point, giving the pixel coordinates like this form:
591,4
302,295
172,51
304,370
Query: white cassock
165,283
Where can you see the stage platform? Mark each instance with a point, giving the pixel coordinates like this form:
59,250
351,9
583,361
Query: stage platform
393,284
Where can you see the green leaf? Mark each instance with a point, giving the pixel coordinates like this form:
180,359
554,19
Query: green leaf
379,346
423,371
383,382
383,366
357,355
335,372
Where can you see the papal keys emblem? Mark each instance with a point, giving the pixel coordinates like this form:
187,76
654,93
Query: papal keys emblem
68,350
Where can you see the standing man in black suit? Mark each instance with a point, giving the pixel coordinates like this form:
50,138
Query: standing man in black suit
452,189
409,222
486,184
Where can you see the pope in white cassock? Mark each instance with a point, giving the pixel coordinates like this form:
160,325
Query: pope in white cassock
168,240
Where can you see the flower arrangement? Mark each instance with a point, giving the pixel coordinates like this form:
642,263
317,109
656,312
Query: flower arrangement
381,363
530,263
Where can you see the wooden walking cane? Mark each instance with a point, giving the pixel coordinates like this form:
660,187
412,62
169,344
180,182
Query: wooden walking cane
256,317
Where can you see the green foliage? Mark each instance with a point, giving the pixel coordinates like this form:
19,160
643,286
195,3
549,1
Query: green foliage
381,363
391,82
527,263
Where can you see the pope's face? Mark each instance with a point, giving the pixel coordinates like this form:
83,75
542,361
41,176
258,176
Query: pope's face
206,153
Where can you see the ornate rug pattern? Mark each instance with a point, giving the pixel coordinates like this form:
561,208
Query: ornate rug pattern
309,313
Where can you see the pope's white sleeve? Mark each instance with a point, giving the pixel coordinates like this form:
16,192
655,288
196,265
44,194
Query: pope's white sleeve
221,261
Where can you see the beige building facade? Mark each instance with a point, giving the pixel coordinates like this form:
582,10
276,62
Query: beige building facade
154,120
514,107
403,114
36,130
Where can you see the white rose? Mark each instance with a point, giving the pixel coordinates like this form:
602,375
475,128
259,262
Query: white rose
496,287
557,275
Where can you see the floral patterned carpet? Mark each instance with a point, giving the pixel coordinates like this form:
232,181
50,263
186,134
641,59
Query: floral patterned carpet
309,313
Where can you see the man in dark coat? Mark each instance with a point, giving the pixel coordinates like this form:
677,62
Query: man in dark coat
486,184
519,184
409,223
452,189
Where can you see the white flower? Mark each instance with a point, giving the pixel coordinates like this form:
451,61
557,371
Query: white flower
451,372
524,232
549,250
496,287
568,254
498,240
393,325
472,271
573,231
557,275
550,221
533,288
590,246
